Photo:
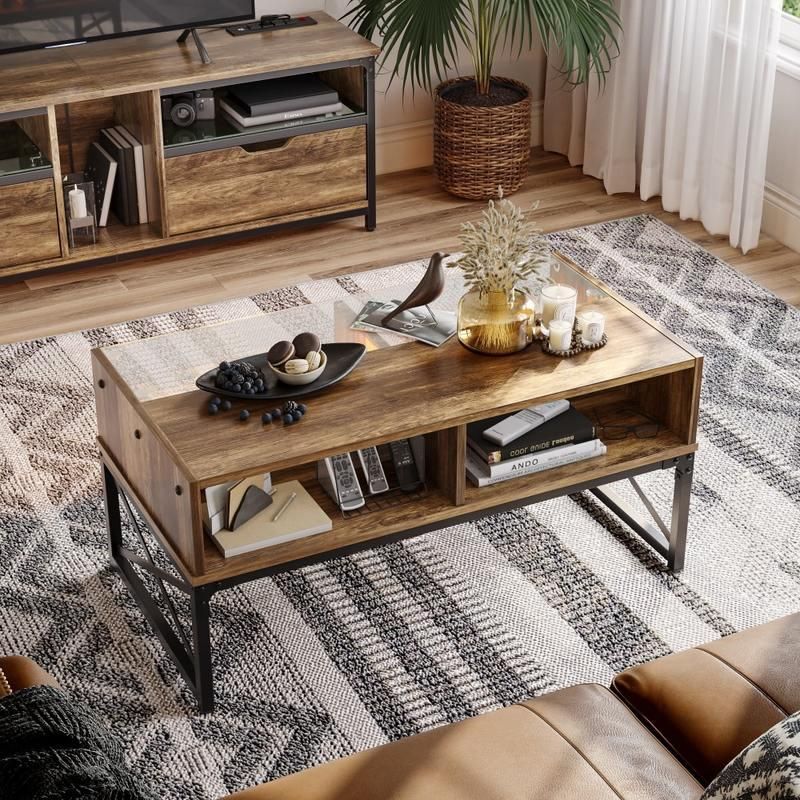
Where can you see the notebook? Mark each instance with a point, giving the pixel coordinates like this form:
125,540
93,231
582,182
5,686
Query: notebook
303,517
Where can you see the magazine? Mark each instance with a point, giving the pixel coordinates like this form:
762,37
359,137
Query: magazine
431,326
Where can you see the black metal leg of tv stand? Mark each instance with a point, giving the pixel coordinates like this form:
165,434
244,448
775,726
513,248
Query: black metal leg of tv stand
201,48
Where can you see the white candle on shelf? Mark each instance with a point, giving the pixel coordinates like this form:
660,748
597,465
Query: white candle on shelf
560,335
77,203
558,302
593,325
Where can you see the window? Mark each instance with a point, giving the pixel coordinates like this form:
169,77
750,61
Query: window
790,30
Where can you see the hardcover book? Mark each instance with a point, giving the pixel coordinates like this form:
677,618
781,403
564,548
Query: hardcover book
283,94
101,169
123,199
481,474
571,427
138,164
302,517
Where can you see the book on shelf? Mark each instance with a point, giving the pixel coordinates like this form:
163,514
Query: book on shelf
481,474
101,169
570,427
283,94
238,115
138,166
302,517
123,199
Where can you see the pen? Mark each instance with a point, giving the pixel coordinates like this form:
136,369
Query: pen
283,508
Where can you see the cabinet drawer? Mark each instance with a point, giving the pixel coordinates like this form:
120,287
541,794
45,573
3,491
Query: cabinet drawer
29,229
310,172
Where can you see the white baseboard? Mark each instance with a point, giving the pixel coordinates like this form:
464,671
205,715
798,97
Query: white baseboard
781,217
410,145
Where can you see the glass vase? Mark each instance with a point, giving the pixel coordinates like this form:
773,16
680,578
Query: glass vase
495,323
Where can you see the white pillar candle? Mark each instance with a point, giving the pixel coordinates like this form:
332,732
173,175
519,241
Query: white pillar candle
77,203
593,325
558,302
560,335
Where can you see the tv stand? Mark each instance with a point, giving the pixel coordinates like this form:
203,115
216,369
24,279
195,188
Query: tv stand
201,48
202,183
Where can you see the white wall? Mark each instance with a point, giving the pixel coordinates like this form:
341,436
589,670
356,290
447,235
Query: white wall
405,121
782,201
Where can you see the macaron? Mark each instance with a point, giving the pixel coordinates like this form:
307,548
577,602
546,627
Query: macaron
305,343
280,353
295,366
314,359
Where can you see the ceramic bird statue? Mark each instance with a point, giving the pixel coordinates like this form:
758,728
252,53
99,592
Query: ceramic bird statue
426,291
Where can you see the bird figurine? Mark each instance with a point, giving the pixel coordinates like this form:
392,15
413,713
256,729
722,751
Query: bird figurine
426,291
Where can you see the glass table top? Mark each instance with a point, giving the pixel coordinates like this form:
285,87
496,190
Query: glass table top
168,364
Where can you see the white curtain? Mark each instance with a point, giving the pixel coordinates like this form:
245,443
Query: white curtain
684,113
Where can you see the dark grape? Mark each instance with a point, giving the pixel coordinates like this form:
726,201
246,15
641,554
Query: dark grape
266,418
213,408
297,415
276,414
302,407
288,419
225,405
244,414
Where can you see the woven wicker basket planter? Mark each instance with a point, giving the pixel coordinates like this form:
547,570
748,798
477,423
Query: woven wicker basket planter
477,149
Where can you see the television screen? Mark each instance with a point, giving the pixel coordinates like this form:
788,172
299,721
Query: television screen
26,24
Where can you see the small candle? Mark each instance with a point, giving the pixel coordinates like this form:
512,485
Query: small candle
560,335
593,325
558,302
77,203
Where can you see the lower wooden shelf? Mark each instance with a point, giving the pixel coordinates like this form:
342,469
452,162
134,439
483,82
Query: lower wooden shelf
435,508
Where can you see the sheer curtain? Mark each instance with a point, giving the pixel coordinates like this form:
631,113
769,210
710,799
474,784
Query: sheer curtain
685,111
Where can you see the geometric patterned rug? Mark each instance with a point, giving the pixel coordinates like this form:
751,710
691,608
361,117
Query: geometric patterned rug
318,663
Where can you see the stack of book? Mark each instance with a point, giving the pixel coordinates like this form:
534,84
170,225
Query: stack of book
298,98
565,439
115,164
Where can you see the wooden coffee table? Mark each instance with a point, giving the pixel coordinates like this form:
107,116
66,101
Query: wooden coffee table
160,449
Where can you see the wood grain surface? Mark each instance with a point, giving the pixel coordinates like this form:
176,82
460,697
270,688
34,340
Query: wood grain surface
29,228
136,64
307,173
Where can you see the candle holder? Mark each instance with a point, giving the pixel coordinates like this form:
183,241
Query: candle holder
81,217
576,344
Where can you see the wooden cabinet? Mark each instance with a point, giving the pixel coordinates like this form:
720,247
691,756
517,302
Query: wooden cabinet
198,185
239,184
28,223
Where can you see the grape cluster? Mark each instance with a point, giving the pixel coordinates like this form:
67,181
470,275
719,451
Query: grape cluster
290,413
240,377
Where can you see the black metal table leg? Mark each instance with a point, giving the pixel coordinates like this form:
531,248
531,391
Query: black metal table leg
668,541
371,218
203,674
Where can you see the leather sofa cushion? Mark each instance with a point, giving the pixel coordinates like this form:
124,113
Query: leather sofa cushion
710,702
544,749
22,673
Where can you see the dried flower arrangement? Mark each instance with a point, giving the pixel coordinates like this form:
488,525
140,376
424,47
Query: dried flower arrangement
503,250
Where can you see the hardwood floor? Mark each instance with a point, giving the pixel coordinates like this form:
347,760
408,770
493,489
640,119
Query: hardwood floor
415,218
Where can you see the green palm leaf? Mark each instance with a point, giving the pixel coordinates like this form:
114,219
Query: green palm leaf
421,37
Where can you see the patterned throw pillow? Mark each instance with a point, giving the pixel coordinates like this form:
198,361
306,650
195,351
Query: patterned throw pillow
767,769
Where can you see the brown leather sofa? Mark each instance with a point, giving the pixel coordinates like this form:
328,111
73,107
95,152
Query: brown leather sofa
661,732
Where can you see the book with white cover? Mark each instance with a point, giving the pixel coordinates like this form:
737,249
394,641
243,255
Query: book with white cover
246,121
480,473
302,517
138,161
101,169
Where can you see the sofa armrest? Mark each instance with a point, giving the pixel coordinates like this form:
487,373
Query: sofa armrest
18,672
710,702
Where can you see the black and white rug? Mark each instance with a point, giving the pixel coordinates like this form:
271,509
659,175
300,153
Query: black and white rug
321,662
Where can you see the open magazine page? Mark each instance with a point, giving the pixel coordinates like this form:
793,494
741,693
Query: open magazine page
431,326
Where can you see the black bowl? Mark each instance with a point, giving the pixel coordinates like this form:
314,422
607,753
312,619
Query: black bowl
343,357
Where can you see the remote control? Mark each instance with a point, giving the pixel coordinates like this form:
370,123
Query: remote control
348,488
373,469
405,467
523,421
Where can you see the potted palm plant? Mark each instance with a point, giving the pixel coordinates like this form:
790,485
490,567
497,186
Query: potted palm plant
482,122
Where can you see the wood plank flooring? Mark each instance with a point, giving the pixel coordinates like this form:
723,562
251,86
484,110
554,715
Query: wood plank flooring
415,217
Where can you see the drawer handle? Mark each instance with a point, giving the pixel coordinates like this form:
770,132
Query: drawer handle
259,147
